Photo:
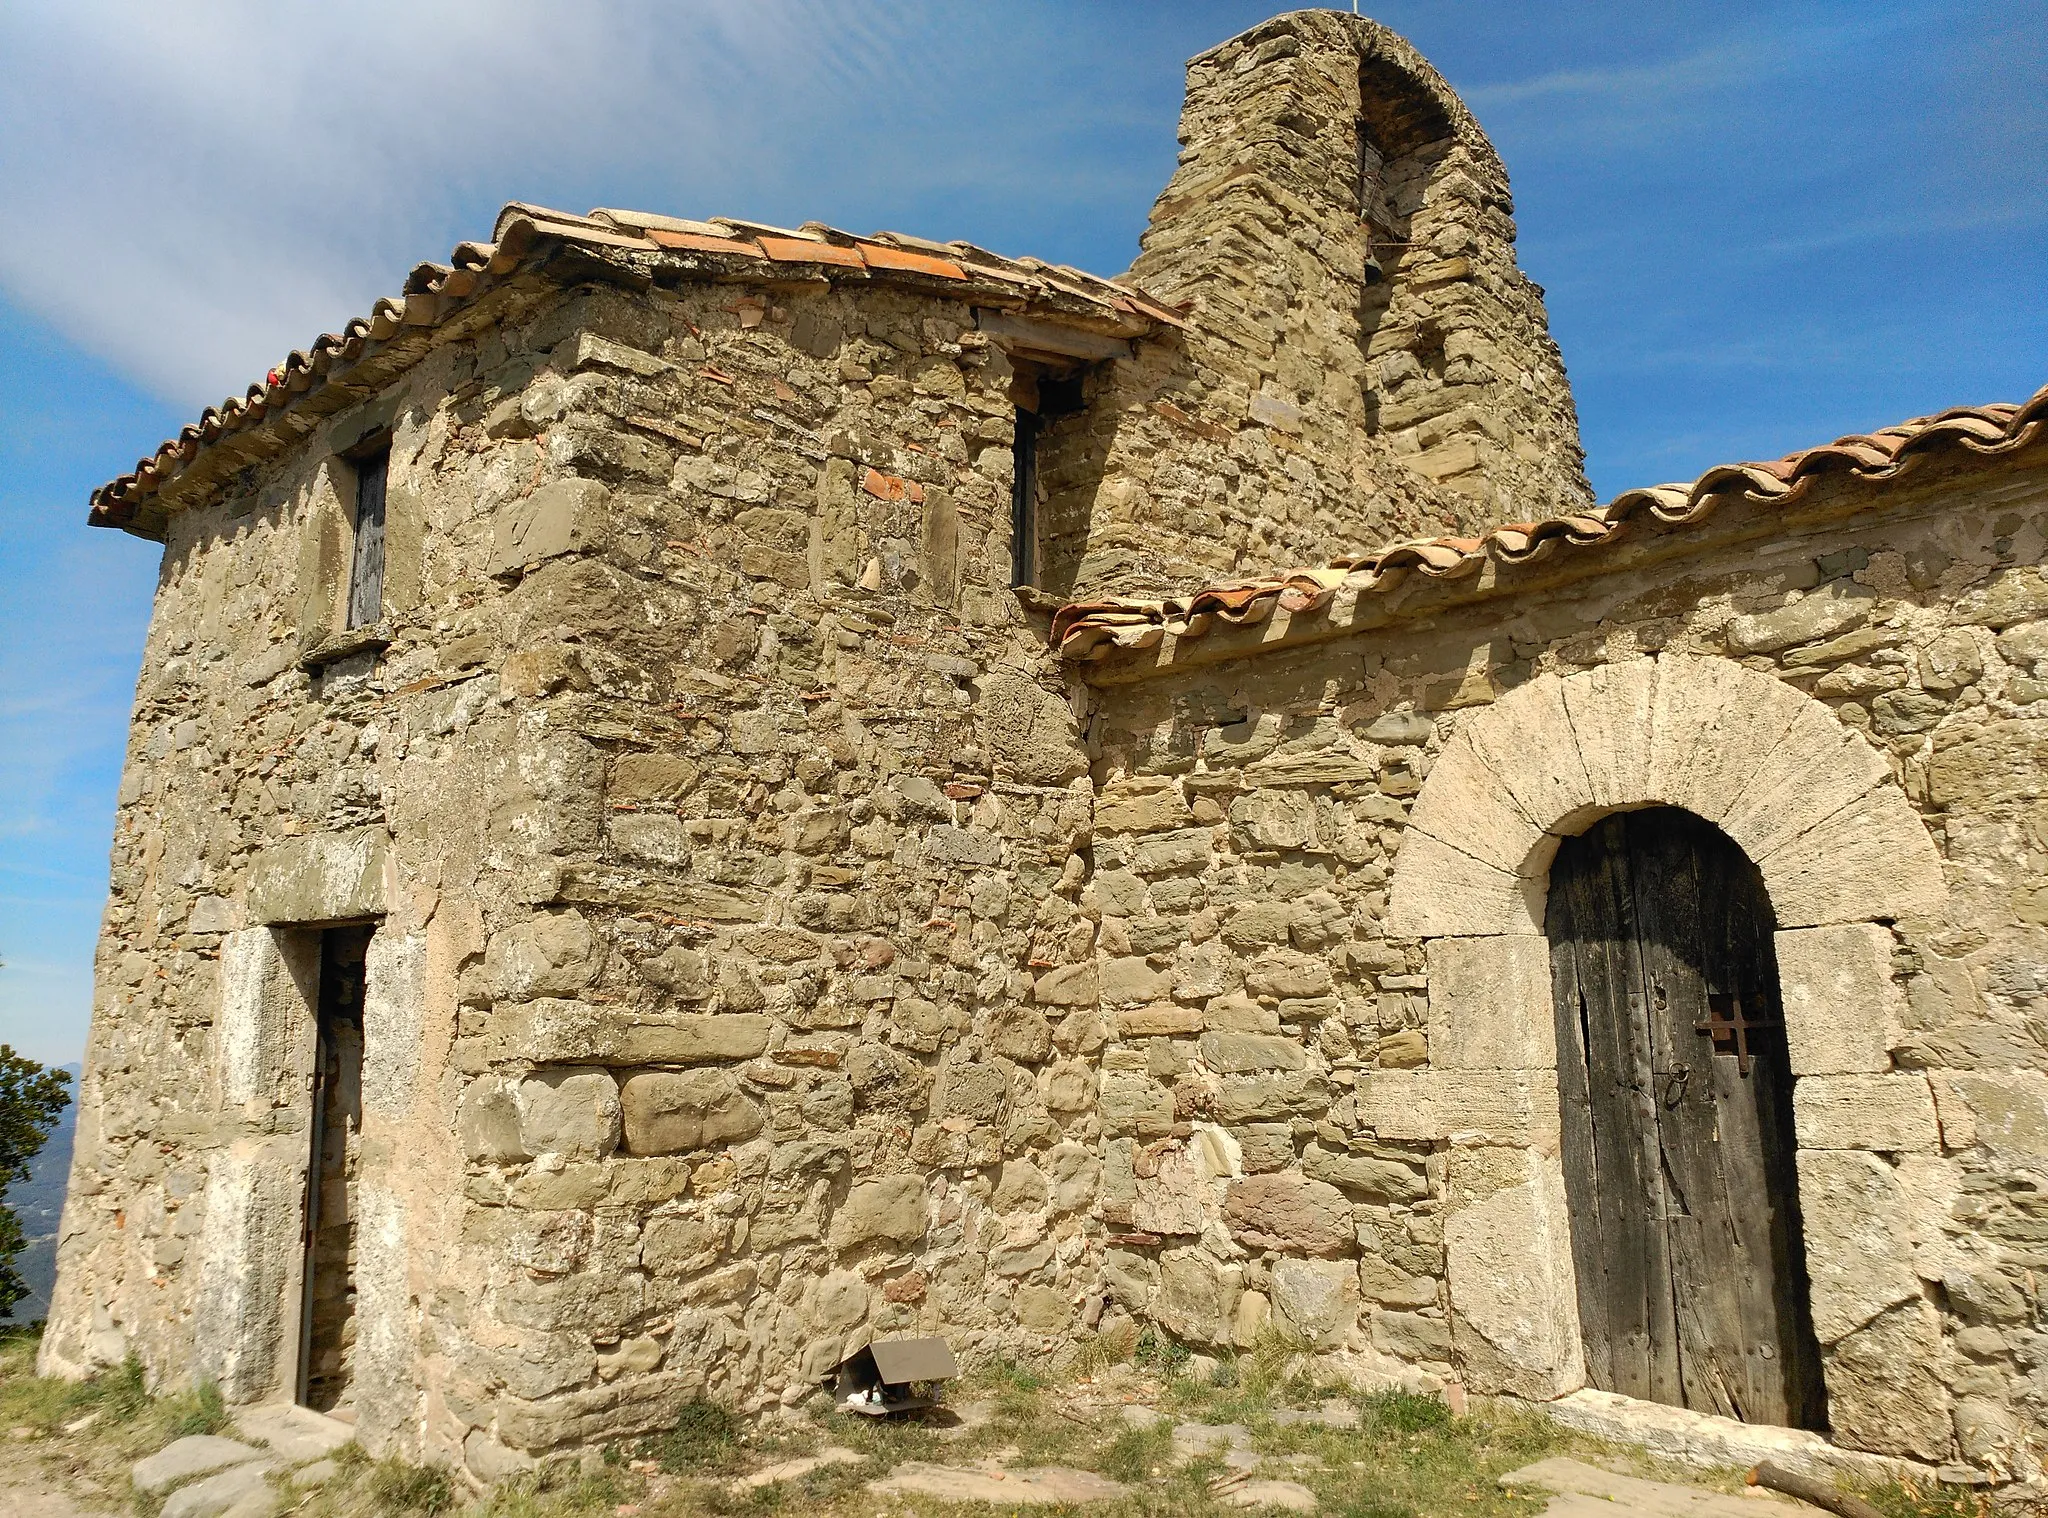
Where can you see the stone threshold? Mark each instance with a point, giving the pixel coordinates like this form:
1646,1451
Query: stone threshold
1704,1439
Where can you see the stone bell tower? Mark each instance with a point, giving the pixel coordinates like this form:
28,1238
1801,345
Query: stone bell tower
1340,232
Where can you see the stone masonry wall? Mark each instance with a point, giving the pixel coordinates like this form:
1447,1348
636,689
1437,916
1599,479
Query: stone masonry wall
775,948
1313,413
1251,812
722,812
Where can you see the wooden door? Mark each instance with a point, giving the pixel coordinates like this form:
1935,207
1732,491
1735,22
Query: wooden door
1677,1104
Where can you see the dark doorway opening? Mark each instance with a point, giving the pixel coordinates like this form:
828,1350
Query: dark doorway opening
1678,1148
1043,396
327,1316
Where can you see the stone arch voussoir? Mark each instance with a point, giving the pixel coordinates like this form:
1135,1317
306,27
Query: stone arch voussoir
1806,797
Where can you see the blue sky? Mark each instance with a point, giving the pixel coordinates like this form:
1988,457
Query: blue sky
1760,226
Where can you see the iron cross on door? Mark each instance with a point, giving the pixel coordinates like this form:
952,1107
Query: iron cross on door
1726,1024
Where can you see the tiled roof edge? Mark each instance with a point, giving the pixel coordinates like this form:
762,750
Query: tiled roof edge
433,293
1093,629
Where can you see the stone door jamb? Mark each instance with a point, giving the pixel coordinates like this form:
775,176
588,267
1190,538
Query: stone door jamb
1842,853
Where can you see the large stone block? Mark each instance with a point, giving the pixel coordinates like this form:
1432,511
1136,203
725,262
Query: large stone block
1175,1192
1440,892
183,1459
1246,1053
1279,1094
971,1089
1716,725
1133,1102
487,1123
1030,731
1893,1113
1610,707
1990,763
549,954
1873,859
1465,804
1276,819
247,1258
1490,1004
1467,1106
1289,1213
673,1113
1198,1295
268,984
1858,1221
387,1318
891,1209
562,516
1379,1178
1526,740
1513,1291
1069,986
1885,1391
1842,1009
1171,853
573,1113
1131,981
1315,1301
320,877
1141,806
2003,1111
394,998
1820,613
1816,769
652,777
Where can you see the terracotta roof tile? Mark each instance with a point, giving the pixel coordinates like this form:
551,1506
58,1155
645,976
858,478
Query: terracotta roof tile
434,292
697,242
882,256
1093,629
804,250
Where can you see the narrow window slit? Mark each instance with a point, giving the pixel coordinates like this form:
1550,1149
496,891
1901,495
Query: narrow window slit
366,571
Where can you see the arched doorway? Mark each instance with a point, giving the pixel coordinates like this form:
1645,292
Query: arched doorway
1678,1148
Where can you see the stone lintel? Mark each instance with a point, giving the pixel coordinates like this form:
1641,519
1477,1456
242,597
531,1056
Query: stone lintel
320,877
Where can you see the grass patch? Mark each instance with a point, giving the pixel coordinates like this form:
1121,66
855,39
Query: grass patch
706,1437
1006,1375
560,1489
399,1487
1907,1498
1399,1412
199,1411
1136,1454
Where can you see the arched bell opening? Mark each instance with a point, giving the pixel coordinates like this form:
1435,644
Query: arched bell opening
1675,1094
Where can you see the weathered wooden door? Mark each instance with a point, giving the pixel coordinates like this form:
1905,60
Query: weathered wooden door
1677,1105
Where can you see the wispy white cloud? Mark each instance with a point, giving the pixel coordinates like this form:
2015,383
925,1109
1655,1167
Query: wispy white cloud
186,183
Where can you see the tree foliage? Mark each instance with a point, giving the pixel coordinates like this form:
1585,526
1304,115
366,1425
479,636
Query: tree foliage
32,1098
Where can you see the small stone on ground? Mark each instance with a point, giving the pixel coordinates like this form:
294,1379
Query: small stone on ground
194,1455
228,1491
1039,1485
1291,1495
295,1433
319,1473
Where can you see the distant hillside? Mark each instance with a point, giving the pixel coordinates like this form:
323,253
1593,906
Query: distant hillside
39,1202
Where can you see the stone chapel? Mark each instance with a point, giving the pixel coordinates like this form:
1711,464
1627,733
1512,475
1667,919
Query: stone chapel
702,793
